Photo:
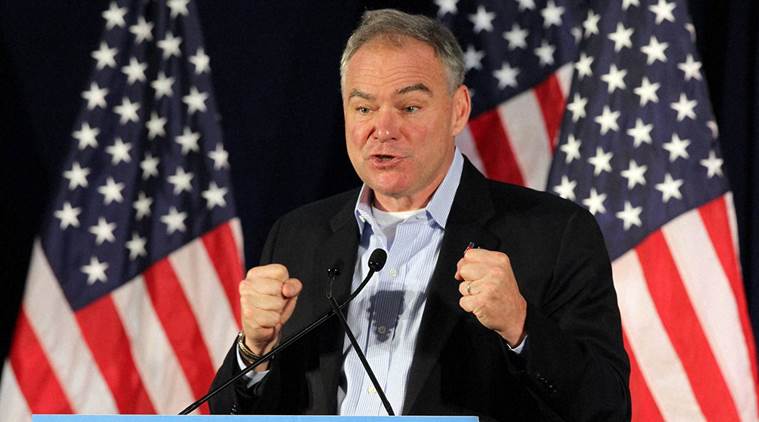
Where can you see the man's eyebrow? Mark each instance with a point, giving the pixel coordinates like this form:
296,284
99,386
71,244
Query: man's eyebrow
416,87
360,94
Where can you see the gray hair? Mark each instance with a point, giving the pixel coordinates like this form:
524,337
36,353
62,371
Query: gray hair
393,26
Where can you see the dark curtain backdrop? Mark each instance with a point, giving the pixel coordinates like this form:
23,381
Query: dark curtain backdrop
275,71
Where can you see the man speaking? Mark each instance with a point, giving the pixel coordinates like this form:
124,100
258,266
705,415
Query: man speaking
495,301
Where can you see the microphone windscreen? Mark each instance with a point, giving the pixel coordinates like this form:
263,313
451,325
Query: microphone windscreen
377,259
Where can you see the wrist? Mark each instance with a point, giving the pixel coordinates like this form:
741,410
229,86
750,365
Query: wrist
247,354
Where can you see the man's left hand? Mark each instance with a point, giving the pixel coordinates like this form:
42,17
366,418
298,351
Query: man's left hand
490,292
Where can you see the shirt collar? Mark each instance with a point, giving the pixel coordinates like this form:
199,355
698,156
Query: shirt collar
437,209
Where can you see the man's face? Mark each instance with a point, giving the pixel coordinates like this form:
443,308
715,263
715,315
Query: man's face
400,120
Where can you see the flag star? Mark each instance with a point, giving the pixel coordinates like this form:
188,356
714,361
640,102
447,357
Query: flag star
669,188
576,34
621,37
195,100
214,196
155,126
691,30
77,176
111,191
551,14
473,58
103,231
174,220
105,57
119,151
219,157
577,107
712,125
545,53
635,175
595,202
181,181
571,148
507,76
630,216
68,215
149,166
526,4
95,271
590,24
684,108
654,51
627,3
713,165
640,133
601,162
482,20
114,16
446,6
142,30
178,7
135,71
647,91
582,66
95,96
516,37
678,148
607,120
127,111
615,78
663,11
142,206
136,246
162,86
188,140
566,189
200,60
170,45
691,68
87,136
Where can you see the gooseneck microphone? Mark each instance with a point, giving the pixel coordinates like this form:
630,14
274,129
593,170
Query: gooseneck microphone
374,266
376,262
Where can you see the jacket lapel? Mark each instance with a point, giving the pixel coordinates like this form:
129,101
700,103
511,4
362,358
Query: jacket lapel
470,211
338,250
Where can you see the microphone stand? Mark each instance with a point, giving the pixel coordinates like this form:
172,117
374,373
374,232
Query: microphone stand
336,310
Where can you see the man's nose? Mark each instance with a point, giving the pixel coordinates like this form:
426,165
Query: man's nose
386,125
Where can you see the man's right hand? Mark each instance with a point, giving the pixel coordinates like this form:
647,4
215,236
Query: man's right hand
267,299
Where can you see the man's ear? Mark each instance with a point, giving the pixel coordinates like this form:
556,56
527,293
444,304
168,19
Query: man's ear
462,106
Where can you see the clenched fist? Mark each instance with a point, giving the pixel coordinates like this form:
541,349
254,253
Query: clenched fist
267,299
489,291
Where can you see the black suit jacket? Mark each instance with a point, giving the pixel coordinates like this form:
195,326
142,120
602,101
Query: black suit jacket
573,367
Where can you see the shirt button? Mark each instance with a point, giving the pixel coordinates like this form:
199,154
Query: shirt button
371,390
393,272
381,329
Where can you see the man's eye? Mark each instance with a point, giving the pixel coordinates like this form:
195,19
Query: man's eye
362,110
411,109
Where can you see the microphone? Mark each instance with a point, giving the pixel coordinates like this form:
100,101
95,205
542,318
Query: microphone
376,262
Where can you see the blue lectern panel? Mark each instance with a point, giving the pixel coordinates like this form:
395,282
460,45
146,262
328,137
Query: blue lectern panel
250,418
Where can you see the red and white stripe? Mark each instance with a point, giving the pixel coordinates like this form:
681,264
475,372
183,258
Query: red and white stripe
514,142
151,346
685,321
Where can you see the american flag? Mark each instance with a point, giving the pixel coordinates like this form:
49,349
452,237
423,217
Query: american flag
131,297
637,146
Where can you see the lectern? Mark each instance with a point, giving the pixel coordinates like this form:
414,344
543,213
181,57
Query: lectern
246,418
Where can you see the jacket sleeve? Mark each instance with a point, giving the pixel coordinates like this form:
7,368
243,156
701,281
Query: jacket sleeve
574,360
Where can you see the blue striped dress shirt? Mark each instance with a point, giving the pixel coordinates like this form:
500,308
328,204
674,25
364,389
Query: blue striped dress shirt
385,318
